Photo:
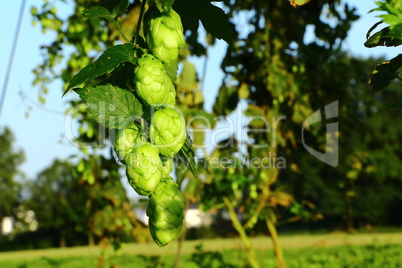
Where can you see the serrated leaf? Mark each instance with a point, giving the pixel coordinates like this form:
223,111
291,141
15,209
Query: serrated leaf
109,9
386,7
187,156
390,19
212,17
171,70
384,38
385,72
106,63
110,105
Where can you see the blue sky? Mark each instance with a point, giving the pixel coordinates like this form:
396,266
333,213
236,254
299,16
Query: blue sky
41,135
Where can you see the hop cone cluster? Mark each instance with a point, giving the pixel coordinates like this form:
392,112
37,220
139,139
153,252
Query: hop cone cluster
149,159
166,212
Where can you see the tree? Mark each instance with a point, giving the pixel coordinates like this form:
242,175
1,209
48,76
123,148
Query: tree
272,69
74,211
10,186
60,203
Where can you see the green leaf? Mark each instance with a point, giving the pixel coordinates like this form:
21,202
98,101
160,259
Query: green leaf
110,105
108,9
187,156
390,19
171,70
385,72
106,63
212,17
392,8
297,3
383,38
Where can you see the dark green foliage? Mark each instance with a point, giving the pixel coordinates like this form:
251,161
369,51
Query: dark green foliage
106,63
213,18
388,36
385,72
108,9
10,186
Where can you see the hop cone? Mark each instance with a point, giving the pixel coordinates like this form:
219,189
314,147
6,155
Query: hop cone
126,140
151,81
166,212
168,131
144,169
164,34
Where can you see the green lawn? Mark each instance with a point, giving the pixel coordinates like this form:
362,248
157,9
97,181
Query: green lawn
335,250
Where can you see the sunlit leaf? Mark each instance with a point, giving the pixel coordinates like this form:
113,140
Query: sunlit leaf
106,63
111,106
109,9
297,3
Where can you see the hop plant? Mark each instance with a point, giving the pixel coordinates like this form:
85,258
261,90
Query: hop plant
171,98
164,34
167,166
144,169
126,140
152,83
168,131
162,5
166,212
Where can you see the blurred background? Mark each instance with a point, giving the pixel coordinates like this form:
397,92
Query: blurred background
62,187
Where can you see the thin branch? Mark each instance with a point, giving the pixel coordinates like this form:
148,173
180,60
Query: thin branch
137,31
121,31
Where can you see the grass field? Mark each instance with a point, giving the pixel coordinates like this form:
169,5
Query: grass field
334,250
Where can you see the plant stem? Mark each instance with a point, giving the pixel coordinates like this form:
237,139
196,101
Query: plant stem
121,31
137,31
250,223
274,236
181,238
243,236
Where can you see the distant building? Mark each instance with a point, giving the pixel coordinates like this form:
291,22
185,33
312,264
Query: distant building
7,225
26,221
194,217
